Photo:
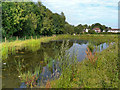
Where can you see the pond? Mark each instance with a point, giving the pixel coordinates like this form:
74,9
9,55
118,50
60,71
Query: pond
29,60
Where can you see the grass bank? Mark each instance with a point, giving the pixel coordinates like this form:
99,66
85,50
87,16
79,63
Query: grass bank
102,74
34,44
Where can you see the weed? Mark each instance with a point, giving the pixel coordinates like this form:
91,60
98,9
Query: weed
28,77
92,57
91,47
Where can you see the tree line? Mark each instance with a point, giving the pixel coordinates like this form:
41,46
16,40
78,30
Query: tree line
29,18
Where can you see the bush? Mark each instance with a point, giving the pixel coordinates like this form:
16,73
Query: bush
91,32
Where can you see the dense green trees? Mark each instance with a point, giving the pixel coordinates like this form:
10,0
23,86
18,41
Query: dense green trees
69,29
29,18
79,29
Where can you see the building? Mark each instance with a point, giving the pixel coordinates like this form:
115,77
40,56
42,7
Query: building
104,31
85,30
114,30
97,30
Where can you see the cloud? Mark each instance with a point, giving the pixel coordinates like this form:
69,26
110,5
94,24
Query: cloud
86,11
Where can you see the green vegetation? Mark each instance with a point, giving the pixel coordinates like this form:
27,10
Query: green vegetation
91,47
91,32
33,45
102,74
29,18
34,19
26,20
29,77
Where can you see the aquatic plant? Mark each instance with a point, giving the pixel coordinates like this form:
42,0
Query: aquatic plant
91,47
67,64
30,78
32,44
92,57
4,52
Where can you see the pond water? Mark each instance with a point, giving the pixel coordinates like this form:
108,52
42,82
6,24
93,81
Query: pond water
29,60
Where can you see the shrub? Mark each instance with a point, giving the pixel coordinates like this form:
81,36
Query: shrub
91,32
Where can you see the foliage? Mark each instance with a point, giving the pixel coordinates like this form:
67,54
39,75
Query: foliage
91,32
33,45
90,56
91,47
104,75
29,18
67,65
28,77
32,19
79,29
69,29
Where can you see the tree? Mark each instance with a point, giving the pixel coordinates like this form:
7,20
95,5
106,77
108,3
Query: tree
69,29
63,16
47,27
91,32
79,29
59,23
85,26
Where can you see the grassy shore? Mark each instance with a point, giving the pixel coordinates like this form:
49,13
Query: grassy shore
34,44
102,74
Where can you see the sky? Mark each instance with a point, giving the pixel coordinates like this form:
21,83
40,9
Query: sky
86,11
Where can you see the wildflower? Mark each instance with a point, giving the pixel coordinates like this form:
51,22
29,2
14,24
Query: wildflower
19,76
4,63
74,79
91,56
48,84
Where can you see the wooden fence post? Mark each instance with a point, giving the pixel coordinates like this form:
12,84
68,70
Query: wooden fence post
31,37
17,38
5,39
36,37
25,37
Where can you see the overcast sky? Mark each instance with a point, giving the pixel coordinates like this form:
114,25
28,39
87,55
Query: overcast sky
86,11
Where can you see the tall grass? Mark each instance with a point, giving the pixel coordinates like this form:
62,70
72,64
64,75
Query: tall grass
103,75
67,65
33,44
74,74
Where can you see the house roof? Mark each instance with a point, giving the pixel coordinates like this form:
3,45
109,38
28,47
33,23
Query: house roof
96,29
114,29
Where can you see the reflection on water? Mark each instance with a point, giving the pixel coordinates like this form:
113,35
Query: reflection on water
29,60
